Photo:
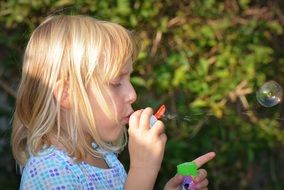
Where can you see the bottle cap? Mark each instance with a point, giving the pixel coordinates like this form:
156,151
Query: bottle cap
187,169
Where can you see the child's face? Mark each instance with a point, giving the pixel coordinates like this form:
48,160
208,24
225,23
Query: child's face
123,95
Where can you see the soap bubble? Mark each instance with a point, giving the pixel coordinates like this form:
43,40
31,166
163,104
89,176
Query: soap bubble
269,94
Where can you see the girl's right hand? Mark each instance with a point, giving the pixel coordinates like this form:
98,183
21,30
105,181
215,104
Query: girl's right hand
146,145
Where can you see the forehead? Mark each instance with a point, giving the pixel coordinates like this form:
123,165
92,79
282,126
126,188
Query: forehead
127,67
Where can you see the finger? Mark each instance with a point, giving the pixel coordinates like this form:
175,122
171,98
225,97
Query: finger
202,184
163,139
200,161
174,182
134,119
145,118
158,128
202,174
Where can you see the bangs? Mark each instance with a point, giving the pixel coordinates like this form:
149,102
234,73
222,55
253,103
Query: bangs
119,48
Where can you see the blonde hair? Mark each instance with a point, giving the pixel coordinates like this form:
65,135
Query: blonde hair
80,50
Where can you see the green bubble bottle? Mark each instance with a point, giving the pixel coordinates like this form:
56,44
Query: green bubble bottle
189,171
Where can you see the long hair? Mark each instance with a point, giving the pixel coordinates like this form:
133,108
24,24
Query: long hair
82,51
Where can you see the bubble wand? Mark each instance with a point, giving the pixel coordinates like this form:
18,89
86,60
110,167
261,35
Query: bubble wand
159,114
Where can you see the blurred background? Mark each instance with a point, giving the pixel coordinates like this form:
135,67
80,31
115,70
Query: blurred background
206,60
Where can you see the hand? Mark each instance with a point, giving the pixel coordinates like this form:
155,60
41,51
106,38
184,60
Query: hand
201,182
146,145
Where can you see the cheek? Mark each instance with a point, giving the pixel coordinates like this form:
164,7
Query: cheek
109,131
118,105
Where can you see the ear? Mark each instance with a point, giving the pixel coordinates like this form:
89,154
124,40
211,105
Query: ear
61,93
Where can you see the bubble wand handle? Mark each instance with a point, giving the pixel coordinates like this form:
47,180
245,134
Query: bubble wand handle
188,170
159,114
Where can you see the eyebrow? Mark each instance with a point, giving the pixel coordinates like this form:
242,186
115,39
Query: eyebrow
126,73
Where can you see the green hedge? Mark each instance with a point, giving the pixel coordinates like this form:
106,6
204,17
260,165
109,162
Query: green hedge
204,60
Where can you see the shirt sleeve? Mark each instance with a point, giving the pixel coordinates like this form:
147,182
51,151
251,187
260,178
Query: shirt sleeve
49,174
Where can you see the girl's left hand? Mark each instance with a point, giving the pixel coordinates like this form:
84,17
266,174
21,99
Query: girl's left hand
201,182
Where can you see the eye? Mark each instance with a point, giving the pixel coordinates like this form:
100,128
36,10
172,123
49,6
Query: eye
115,84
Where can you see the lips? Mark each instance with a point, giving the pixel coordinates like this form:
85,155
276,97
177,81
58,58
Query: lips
126,119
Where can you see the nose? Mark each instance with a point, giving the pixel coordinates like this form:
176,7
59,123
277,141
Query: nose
132,96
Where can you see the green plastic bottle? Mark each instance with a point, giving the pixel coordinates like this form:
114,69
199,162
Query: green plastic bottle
189,171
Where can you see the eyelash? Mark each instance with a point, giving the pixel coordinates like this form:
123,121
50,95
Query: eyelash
116,84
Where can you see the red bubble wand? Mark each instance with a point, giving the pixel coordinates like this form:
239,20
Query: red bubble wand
158,115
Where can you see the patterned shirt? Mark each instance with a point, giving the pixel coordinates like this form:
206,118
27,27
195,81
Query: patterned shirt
54,169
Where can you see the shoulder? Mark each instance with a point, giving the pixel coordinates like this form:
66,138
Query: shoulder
50,168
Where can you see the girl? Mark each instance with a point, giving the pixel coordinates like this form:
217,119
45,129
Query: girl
73,103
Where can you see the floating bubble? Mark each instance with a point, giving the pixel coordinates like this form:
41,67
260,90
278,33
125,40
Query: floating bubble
269,94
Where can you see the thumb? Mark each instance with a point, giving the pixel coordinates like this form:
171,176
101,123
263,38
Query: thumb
174,182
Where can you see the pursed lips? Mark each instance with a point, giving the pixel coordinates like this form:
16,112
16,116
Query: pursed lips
126,119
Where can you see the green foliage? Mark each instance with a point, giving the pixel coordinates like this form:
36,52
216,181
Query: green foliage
204,59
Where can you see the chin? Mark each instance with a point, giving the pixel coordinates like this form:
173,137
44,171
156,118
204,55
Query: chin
113,136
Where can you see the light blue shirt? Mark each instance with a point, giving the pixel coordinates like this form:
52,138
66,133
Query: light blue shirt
54,169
